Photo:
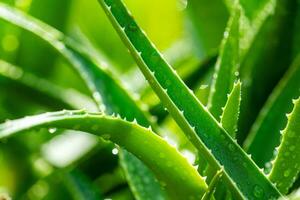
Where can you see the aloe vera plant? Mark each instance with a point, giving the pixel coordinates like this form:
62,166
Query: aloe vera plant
190,151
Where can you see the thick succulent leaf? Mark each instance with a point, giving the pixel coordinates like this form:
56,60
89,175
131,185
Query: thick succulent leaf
138,176
286,165
230,115
80,186
170,167
272,116
203,130
259,61
226,66
103,87
99,80
212,186
43,90
253,16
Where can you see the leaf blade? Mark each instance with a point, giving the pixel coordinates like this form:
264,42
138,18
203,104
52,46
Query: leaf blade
286,164
108,128
186,109
230,115
102,86
226,66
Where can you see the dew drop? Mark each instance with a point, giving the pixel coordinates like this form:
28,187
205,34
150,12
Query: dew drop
115,151
258,191
182,4
231,147
287,173
226,34
203,87
52,130
163,184
69,112
235,158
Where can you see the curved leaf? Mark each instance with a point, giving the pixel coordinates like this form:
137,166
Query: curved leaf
286,164
212,186
106,91
226,67
203,130
79,186
230,116
170,167
272,116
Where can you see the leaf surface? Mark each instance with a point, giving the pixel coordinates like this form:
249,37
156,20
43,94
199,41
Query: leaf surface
286,165
199,125
166,166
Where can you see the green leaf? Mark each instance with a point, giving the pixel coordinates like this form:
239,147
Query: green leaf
79,186
286,165
258,62
203,130
43,90
103,87
138,176
98,79
226,66
169,166
271,118
230,116
212,186
253,16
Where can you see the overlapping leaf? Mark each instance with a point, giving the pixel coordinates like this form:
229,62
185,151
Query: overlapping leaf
169,166
198,124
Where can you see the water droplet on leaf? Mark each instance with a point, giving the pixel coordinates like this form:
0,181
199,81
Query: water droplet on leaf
52,130
258,191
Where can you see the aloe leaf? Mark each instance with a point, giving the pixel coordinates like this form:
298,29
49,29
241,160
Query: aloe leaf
166,165
226,66
44,90
259,61
286,165
98,79
230,115
271,118
212,186
229,120
103,87
199,125
137,176
79,186
253,16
